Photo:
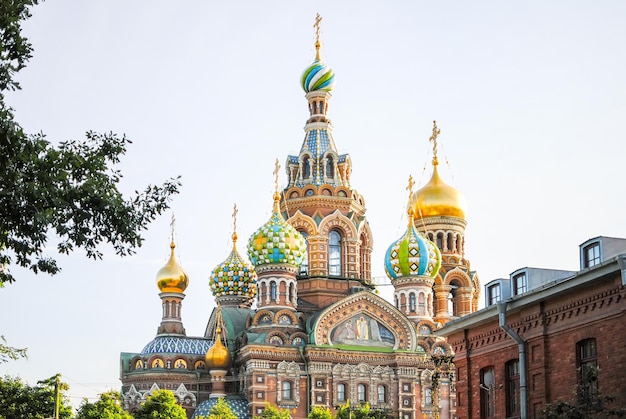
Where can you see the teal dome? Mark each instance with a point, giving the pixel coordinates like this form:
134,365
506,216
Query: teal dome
412,255
276,242
234,276
317,76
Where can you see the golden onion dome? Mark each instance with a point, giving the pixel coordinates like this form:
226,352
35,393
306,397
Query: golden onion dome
218,356
172,277
437,198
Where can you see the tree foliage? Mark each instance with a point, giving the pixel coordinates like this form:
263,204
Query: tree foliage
19,400
70,189
160,405
320,413
8,353
361,411
272,412
108,406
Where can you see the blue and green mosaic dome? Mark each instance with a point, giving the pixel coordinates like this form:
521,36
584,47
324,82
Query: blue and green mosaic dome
412,255
177,345
234,276
238,405
276,242
317,76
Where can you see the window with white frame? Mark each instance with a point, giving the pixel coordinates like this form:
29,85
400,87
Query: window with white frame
520,283
591,255
494,293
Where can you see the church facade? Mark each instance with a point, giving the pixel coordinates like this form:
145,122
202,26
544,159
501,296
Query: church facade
301,324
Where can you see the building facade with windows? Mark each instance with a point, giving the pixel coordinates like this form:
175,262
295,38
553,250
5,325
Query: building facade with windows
302,321
542,334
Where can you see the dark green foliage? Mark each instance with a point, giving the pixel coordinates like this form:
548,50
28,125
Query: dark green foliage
160,405
363,411
70,189
19,400
272,412
109,406
8,353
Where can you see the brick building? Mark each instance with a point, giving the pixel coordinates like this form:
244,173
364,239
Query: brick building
540,333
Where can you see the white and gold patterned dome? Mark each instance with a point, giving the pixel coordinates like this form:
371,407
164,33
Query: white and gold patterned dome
234,277
412,254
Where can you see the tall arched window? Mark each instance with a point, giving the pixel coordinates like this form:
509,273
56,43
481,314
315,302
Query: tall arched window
487,399
330,167
412,301
273,291
287,390
304,266
361,392
382,394
334,253
341,392
306,168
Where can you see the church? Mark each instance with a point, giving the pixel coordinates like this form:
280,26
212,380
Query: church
299,322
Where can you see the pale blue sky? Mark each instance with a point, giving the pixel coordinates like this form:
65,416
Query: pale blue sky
530,98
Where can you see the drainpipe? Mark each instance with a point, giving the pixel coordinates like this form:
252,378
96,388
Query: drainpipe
522,357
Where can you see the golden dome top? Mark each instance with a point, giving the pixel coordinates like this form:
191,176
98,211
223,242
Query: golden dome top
437,198
218,356
172,277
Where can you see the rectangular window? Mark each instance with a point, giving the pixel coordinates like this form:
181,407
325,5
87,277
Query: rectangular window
512,388
587,360
520,283
591,255
494,294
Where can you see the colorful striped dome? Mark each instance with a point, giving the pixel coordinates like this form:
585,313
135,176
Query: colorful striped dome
318,76
234,276
412,255
276,242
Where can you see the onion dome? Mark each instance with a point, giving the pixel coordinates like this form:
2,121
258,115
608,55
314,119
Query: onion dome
234,276
218,356
437,198
172,277
412,254
276,241
317,76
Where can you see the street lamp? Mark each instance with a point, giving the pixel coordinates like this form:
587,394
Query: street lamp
442,369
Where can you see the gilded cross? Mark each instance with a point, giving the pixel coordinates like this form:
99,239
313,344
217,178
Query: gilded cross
276,168
318,20
235,211
172,227
433,138
410,186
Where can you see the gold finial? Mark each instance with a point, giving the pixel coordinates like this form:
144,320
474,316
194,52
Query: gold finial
218,329
316,25
235,211
433,138
410,189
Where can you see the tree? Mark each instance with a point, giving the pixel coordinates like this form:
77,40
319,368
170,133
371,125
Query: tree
19,400
361,411
107,407
320,413
160,405
8,353
272,412
221,410
69,189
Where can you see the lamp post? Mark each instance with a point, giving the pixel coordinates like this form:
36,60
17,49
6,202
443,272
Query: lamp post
442,369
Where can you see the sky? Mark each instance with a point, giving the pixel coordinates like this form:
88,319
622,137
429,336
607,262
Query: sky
530,98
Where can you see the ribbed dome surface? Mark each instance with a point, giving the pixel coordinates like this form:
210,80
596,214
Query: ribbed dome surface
437,198
412,255
172,277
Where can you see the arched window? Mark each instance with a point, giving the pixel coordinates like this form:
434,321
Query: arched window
304,266
273,291
395,300
306,168
330,167
334,253
450,242
291,292
341,392
440,241
382,394
361,392
421,304
287,390
412,302
487,399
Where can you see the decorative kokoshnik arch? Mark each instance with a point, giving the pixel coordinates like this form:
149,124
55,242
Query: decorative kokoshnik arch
364,319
